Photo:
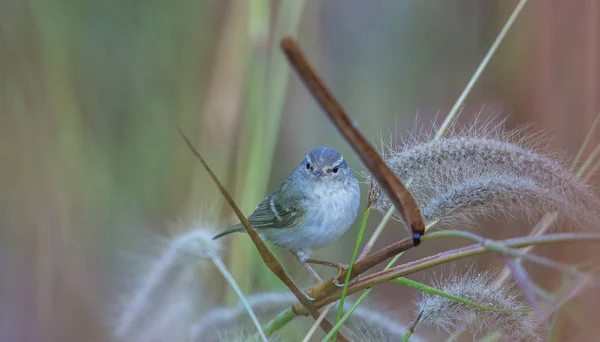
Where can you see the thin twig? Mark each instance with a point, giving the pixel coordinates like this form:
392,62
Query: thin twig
448,256
268,257
391,185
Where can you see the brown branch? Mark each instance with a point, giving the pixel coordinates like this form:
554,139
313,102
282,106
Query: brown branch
391,185
327,289
266,255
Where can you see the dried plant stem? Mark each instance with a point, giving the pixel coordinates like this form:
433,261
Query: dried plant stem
391,185
454,111
445,257
495,246
395,249
360,299
461,99
223,269
540,228
326,293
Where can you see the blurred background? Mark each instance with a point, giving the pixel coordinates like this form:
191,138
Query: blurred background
91,93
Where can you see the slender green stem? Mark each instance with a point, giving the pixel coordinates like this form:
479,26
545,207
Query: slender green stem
407,336
371,243
360,299
461,99
412,267
411,329
425,288
232,283
348,274
283,318
344,318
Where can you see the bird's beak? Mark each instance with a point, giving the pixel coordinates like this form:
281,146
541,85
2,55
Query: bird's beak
318,173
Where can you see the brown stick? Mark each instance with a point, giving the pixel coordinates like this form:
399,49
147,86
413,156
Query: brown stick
328,288
268,257
391,185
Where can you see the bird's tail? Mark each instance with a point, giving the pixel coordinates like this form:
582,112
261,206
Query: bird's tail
237,228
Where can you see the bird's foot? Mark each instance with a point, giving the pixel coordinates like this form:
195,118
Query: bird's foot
312,299
341,269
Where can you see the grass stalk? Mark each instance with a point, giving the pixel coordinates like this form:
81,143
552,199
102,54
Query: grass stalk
484,62
283,318
411,329
588,162
360,299
371,243
432,290
234,286
456,254
348,274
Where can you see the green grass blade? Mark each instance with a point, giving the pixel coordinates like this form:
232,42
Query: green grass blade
348,274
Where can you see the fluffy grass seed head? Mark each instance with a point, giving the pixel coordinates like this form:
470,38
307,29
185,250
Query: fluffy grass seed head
487,172
479,288
168,295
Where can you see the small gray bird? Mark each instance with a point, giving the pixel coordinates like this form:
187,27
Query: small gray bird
314,206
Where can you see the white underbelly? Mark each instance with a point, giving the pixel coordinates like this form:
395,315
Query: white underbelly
329,219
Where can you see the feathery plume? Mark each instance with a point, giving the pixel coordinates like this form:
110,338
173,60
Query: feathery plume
478,287
484,171
166,300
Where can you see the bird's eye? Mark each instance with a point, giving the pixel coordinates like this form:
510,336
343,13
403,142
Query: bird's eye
335,169
308,166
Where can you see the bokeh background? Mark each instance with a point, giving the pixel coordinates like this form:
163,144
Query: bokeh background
91,93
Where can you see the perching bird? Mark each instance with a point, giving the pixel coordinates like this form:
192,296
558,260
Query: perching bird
313,207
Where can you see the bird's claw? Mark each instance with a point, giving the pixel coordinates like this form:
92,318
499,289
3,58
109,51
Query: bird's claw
312,299
336,282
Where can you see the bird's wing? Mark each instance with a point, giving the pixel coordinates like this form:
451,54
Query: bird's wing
281,209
